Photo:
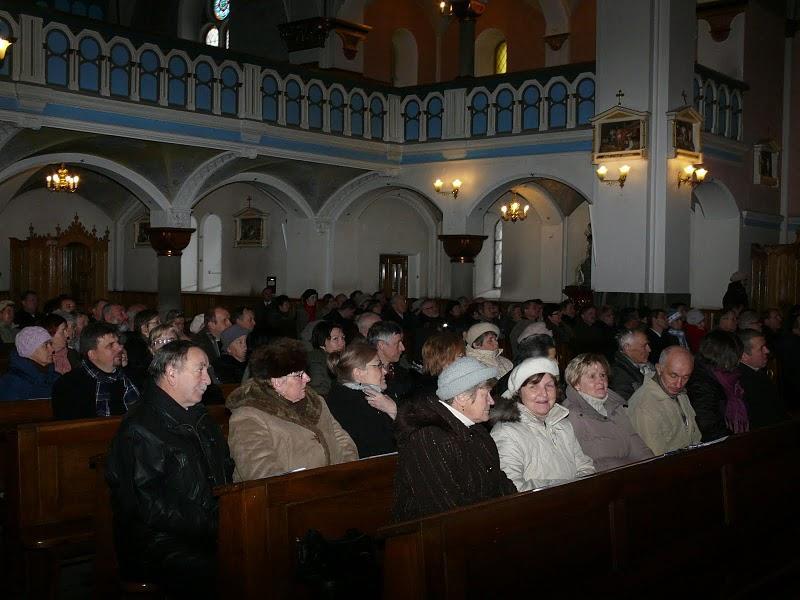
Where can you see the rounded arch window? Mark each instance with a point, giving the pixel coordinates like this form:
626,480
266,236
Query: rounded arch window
212,37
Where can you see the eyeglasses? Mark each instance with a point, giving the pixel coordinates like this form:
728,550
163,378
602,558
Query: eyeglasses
161,341
297,374
380,365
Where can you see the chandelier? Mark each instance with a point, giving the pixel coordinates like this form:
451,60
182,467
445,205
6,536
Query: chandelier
62,180
462,8
515,211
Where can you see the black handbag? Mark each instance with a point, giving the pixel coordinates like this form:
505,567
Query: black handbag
338,569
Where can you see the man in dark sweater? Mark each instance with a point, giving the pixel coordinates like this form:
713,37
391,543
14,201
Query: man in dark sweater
761,396
99,387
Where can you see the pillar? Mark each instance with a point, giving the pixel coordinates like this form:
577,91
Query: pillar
169,243
642,231
467,12
462,250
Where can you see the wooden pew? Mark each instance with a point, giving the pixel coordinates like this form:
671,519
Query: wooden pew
706,523
260,521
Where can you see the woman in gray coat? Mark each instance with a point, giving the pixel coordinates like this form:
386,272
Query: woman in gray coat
599,415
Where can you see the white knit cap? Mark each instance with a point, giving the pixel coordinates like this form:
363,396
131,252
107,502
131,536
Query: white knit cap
477,330
538,328
528,368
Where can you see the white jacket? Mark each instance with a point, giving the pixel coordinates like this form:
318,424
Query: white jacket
491,358
536,454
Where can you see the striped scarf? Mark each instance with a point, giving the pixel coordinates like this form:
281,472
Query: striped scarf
104,382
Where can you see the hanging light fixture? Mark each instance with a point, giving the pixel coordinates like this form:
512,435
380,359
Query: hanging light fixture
61,180
4,46
515,211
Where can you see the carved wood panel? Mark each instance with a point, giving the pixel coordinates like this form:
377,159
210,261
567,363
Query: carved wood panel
775,275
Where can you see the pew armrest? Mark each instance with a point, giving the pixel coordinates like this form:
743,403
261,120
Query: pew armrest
44,537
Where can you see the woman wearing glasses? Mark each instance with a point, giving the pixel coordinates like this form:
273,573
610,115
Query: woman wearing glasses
278,423
357,401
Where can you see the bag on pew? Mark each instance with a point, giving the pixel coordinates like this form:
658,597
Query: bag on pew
337,569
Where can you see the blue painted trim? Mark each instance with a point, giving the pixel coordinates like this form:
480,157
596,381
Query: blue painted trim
518,150
762,224
794,223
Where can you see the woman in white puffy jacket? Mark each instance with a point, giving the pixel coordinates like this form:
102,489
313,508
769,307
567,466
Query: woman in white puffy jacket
482,344
534,438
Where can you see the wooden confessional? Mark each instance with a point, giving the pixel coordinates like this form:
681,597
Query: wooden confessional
73,261
775,275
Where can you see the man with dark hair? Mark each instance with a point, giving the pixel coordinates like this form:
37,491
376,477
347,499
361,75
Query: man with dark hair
280,318
343,317
97,310
387,337
764,401
531,313
215,321
99,387
28,313
244,317
657,335
162,466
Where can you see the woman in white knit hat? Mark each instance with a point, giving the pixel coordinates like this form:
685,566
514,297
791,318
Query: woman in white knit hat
482,344
535,441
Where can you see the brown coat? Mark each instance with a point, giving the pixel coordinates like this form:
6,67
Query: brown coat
268,435
610,441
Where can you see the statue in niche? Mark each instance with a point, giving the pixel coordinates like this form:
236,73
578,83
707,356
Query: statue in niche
583,274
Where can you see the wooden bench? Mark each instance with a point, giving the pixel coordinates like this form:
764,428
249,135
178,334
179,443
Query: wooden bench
710,522
51,491
260,521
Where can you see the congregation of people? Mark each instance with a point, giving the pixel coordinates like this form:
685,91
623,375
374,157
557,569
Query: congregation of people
476,402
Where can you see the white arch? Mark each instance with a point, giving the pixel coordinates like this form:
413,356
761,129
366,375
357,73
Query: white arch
406,58
139,185
485,46
211,251
716,200
286,192
189,193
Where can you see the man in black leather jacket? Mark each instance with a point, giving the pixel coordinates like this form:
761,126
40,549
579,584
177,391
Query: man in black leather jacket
162,465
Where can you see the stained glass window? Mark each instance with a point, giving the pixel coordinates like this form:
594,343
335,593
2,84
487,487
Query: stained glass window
222,9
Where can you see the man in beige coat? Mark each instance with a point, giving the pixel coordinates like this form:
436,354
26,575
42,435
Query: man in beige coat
277,423
660,411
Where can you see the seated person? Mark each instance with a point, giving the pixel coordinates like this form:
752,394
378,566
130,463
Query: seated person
631,365
136,345
99,387
356,400
31,373
8,331
277,423
599,416
763,399
660,410
714,390
482,344
64,358
439,350
162,466
326,338
537,345
446,458
387,337
230,366
535,440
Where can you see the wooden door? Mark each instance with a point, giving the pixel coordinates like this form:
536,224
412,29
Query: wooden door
393,274
77,272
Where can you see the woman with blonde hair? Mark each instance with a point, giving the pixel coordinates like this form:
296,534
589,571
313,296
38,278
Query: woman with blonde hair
357,399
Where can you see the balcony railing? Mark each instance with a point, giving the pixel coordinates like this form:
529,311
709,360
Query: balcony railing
64,54
718,98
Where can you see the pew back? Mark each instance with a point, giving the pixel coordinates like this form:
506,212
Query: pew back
714,520
261,520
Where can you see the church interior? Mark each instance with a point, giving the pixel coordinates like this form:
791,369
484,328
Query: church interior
184,155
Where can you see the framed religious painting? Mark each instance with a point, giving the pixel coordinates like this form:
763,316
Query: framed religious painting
251,228
766,156
685,125
620,132
141,233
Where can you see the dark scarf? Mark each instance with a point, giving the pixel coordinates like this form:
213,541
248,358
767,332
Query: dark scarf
104,383
305,413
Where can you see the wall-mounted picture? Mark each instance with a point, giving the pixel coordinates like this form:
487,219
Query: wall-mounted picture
766,155
620,132
251,228
686,141
141,233
684,136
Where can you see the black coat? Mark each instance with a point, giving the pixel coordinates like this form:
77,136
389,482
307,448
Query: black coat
762,398
588,338
371,429
658,343
75,396
443,464
228,369
162,466
401,383
626,377
708,400
139,358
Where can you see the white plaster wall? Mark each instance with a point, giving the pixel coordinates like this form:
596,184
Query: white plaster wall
551,274
714,256
575,225
727,56
46,210
139,265
386,226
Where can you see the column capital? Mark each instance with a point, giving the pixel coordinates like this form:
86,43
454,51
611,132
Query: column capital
462,248
170,241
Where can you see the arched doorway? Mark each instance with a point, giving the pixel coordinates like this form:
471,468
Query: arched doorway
715,216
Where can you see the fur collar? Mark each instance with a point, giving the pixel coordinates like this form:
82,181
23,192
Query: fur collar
504,410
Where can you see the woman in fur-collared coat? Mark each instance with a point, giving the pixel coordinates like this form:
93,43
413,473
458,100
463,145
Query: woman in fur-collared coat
277,423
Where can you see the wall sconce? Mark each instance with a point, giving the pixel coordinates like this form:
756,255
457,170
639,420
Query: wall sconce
602,171
691,175
4,46
455,185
